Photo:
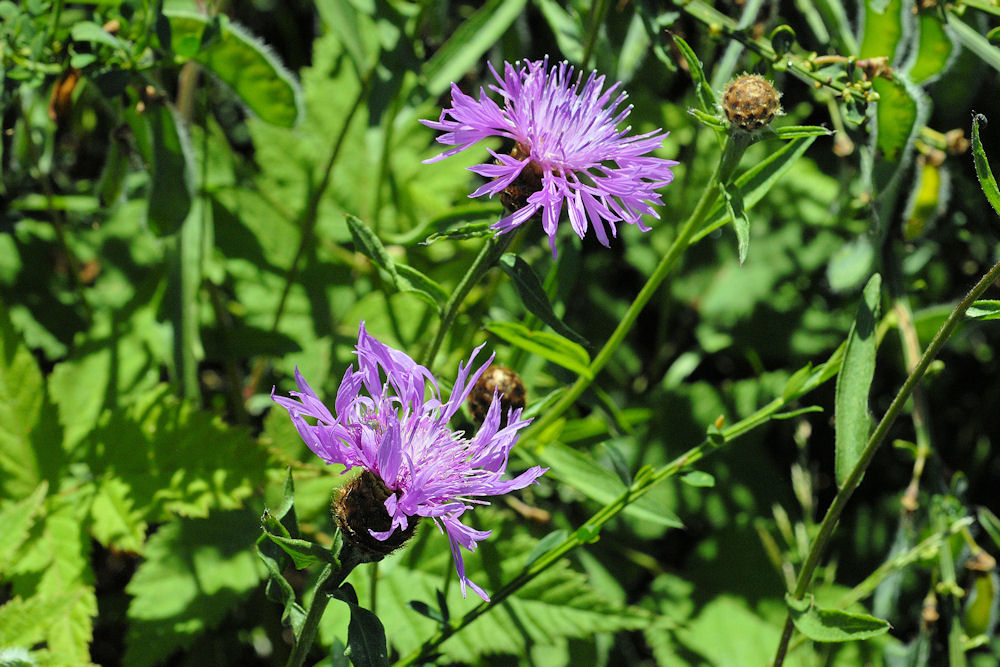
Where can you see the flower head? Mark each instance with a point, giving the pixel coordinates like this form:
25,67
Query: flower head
391,429
568,148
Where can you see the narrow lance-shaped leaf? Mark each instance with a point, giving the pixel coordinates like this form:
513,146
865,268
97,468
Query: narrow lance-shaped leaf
547,345
851,418
975,42
833,625
983,171
706,96
533,296
935,48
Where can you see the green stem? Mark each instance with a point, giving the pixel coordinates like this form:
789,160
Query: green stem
328,582
641,485
677,248
599,10
487,257
829,523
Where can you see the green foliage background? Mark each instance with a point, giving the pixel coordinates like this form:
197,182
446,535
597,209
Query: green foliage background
189,215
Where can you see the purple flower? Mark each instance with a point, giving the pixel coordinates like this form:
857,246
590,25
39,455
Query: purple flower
391,428
568,149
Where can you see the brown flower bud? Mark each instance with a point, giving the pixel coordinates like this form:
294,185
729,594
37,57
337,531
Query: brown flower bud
750,102
506,382
360,507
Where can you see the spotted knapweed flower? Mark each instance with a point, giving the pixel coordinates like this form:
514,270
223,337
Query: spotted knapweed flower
568,149
396,429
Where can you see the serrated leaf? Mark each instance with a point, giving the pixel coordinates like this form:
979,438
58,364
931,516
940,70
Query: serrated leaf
176,459
241,61
550,346
366,644
466,46
851,419
25,622
115,522
16,519
30,438
171,187
559,603
975,42
706,96
533,296
56,560
195,572
598,483
833,625
757,181
983,172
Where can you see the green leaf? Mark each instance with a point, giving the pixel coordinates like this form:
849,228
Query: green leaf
566,29
115,521
833,625
883,29
796,382
975,42
987,309
29,436
195,572
756,181
176,459
935,48
598,483
171,188
88,31
851,418
710,120
533,296
698,478
983,172
241,61
550,346
558,604
741,223
706,96
407,279
896,113
790,132
26,622
55,562
547,543
16,519
465,48
990,523
365,633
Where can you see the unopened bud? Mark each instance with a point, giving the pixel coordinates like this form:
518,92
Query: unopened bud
750,102
360,508
506,383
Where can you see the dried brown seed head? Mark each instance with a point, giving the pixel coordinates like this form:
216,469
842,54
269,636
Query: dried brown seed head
750,102
507,384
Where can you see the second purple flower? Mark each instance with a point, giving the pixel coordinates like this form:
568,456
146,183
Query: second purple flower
568,149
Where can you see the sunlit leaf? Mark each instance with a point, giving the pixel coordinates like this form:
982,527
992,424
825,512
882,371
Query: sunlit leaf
852,420
833,625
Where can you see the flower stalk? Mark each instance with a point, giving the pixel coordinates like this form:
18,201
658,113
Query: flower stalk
876,439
